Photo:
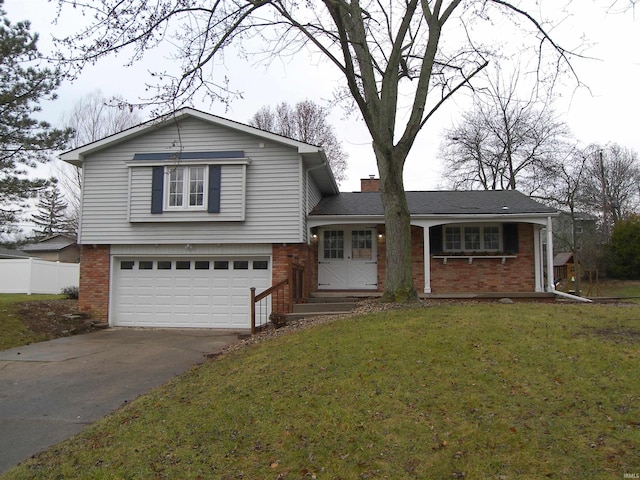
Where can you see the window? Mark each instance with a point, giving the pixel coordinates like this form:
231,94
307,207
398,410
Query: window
186,187
201,265
145,265
164,264
453,238
472,238
361,243
127,265
261,264
334,244
240,265
221,265
183,265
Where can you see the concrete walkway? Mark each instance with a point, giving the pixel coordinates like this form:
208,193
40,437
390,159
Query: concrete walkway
50,391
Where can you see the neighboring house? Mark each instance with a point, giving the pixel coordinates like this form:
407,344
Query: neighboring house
6,253
583,237
60,247
183,214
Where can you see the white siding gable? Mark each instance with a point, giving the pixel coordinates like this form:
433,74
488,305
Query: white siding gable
117,195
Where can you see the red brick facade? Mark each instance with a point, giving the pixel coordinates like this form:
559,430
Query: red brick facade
94,281
300,253
488,275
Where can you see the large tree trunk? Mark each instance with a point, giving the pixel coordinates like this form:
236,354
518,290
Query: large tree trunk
398,284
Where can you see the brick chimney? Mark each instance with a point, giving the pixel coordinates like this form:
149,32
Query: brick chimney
371,184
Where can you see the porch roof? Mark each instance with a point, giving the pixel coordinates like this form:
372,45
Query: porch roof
477,202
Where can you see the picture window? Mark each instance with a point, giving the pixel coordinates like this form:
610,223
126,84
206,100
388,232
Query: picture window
472,238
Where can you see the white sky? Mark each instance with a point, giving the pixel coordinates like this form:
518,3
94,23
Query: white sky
607,113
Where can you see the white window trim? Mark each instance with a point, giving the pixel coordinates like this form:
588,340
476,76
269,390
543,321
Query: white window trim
185,191
462,237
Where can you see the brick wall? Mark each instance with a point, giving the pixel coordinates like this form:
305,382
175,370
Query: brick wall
488,275
301,253
94,281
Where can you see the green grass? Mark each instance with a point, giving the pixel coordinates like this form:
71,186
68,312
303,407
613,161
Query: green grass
14,333
622,289
493,391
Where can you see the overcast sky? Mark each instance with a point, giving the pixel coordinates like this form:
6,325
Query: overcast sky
607,112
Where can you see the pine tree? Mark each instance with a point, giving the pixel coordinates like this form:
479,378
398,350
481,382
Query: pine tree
24,141
51,217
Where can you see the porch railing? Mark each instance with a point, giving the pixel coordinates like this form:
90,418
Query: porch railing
282,299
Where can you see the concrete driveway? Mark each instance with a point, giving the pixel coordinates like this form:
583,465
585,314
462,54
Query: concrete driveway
50,391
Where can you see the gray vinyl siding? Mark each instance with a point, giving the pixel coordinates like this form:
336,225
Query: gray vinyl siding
232,199
314,195
272,197
311,194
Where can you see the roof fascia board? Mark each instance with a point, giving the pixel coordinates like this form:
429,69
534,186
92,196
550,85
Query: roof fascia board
77,155
428,220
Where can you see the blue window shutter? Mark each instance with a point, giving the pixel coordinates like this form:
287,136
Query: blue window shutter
510,241
213,204
157,186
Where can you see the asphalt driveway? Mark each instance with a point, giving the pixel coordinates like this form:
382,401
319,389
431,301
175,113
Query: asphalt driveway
50,391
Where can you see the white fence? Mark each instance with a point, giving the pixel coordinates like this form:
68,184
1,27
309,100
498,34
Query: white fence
30,275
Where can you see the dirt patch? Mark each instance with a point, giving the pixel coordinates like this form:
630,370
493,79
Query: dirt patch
54,318
616,334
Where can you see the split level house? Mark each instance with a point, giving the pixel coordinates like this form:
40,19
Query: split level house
181,216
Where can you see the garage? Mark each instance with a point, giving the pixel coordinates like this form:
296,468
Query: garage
196,292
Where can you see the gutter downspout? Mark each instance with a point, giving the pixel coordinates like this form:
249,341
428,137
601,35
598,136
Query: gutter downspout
550,280
571,297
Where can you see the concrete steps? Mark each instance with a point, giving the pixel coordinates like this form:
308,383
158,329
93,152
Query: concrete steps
328,303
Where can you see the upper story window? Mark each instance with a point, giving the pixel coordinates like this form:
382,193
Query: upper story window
472,238
186,187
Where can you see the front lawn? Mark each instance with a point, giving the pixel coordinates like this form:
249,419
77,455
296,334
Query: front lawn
523,391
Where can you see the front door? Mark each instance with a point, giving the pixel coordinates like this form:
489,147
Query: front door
347,259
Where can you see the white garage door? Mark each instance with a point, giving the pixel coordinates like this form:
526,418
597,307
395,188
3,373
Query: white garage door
186,292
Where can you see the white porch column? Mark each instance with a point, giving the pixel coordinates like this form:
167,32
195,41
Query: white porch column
550,280
538,258
427,260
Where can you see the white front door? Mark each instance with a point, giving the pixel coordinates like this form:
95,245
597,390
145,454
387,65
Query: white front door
347,259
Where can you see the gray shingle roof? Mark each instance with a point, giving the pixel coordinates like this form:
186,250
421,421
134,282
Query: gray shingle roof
53,243
477,202
11,253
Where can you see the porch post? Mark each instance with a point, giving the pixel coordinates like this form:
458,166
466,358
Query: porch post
538,258
427,260
550,281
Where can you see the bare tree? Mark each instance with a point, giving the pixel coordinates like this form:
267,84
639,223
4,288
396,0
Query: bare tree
611,185
396,66
95,116
306,122
92,118
504,142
